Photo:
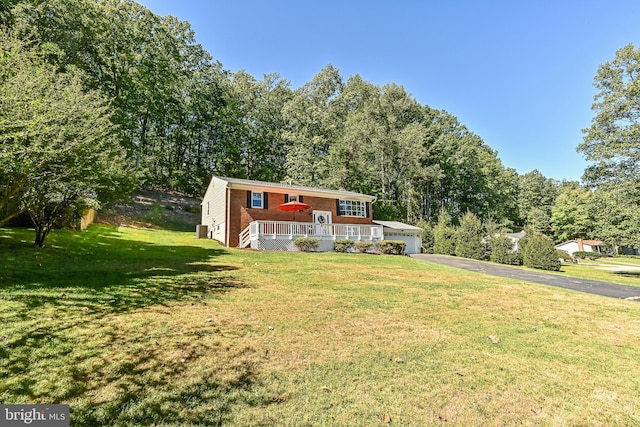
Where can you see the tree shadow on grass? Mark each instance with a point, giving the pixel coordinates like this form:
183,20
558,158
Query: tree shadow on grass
634,274
102,273
67,340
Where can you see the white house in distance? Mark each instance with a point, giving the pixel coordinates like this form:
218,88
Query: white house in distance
580,245
244,213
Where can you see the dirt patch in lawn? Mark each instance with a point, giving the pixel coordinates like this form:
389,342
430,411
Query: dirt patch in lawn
151,208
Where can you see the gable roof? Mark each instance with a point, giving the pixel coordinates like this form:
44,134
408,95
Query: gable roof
585,242
247,184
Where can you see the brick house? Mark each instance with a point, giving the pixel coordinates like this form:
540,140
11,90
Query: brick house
244,213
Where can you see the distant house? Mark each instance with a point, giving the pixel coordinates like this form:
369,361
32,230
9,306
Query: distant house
580,245
515,238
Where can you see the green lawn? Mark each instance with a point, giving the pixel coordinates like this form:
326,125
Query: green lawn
141,327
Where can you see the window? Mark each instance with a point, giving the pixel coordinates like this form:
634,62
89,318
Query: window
256,200
352,208
292,198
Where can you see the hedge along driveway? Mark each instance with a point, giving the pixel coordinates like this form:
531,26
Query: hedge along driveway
583,285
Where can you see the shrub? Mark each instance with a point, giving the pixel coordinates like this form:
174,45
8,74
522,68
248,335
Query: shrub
364,247
587,255
427,235
392,247
540,252
343,245
468,238
563,255
501,251
307,244
443,235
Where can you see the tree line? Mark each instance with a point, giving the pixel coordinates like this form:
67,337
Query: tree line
146,105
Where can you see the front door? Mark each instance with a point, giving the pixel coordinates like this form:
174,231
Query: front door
322,220
322,217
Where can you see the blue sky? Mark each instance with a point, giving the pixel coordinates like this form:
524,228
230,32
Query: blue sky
517,73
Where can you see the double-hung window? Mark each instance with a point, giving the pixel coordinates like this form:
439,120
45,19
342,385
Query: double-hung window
256,200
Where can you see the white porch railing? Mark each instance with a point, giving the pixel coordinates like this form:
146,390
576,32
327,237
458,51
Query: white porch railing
285,230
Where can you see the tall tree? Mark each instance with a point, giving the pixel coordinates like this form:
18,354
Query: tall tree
571,216
536,197
153,71
58,139
314,121
613,139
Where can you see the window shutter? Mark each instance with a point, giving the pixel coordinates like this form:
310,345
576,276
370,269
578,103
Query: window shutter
300,199
338,207
249,198
286,198
265,200
368,206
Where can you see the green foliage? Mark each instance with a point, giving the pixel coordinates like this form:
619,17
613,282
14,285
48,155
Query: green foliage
392,247
307,244
564,255
364,246
501,250
427,235
538,251
343,246
468,238
612,139
59,148
181,118
444,235
587,255
536,197
573,214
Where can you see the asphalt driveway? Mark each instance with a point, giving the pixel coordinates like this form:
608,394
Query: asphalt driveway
582,285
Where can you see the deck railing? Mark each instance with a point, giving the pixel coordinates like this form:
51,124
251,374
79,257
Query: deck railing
292,230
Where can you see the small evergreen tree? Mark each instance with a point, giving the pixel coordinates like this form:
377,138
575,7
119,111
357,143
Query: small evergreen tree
538,251
427,235
502,251
443,235
468,238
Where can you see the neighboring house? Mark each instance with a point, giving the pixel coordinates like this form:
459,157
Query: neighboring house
411,235
244,213
515,238
580,245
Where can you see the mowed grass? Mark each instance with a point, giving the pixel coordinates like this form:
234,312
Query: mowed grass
143,327
620,270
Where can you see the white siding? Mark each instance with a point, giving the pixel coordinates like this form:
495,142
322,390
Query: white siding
214,209
570,247
413,240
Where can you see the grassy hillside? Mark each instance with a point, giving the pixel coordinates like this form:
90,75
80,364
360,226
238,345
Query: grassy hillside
134,326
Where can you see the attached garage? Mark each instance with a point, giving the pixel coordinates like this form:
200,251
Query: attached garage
411,235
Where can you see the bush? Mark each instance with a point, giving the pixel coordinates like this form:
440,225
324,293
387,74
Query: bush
501,251
427,235
587,255
563,255
392,247
444,235
540,252
468,238
343,246
364,247
307,244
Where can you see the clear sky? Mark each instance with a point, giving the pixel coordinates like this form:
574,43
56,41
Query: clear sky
517,73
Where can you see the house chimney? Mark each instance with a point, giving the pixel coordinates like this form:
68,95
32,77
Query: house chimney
580,245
